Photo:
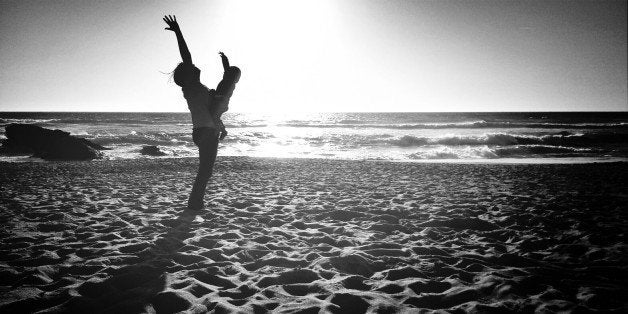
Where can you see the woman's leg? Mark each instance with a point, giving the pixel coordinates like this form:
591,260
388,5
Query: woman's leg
207,142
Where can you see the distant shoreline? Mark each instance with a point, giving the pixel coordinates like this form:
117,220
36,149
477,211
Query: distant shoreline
505,137
290,112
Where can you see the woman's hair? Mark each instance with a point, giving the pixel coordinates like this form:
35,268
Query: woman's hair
185,73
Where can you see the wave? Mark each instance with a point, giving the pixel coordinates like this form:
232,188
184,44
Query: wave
246,125
453,153
403,122
505,139
145,138
354,124
231,125
544,150
124,122
169,139
520,151
26,120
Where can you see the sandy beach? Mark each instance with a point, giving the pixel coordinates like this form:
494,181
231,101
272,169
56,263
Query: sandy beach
313,236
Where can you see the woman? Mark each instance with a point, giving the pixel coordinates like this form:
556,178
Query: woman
206,121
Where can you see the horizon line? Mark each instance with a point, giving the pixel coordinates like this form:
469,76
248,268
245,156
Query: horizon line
291,112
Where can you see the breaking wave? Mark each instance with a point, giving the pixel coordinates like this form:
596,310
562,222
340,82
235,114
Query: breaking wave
457,125
504,139
486,152
386,136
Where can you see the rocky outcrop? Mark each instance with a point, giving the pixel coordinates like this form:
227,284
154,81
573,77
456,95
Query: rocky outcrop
151,150
48,144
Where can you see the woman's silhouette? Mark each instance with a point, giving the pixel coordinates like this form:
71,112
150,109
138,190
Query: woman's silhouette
206,106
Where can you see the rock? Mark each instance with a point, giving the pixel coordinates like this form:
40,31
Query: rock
151,150
48,144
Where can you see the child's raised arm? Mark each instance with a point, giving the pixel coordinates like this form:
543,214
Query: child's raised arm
183,47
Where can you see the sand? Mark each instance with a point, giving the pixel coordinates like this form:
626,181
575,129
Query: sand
310,236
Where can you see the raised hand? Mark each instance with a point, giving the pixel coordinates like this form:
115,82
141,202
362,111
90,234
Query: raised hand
225,60
171,20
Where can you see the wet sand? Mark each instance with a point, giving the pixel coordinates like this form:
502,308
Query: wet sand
310,236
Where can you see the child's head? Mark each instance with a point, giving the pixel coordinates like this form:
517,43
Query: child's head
186,74
233,74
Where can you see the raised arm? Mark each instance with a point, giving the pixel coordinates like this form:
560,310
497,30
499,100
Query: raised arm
225,61
171,20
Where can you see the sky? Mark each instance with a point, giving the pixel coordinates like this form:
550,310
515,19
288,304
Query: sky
318,55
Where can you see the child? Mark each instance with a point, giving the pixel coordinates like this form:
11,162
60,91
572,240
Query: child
206,106
224,91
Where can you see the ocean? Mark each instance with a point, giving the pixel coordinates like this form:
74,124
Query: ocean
480,137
